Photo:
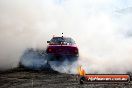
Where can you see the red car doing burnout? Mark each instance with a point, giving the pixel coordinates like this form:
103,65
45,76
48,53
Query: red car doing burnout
61,47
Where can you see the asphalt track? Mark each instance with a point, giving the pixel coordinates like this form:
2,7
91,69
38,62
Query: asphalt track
19,78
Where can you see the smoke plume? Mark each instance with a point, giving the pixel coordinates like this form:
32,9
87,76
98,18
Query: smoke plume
102,30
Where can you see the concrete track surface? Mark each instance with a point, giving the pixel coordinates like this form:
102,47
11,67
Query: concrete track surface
18,78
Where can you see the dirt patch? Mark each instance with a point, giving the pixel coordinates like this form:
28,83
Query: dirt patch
18,78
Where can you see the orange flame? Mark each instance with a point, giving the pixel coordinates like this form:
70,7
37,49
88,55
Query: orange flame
81,71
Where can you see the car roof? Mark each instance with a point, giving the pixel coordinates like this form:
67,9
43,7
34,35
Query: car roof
61,37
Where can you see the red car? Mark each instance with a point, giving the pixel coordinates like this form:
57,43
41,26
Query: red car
62,46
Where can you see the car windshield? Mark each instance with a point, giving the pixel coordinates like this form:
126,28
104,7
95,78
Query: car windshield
62,40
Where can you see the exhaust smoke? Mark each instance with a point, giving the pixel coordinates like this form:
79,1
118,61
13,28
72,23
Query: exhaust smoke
102,30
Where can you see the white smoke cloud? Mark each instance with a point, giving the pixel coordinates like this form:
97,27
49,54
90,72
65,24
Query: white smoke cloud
102,30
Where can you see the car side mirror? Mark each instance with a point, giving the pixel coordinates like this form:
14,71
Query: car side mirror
48,41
